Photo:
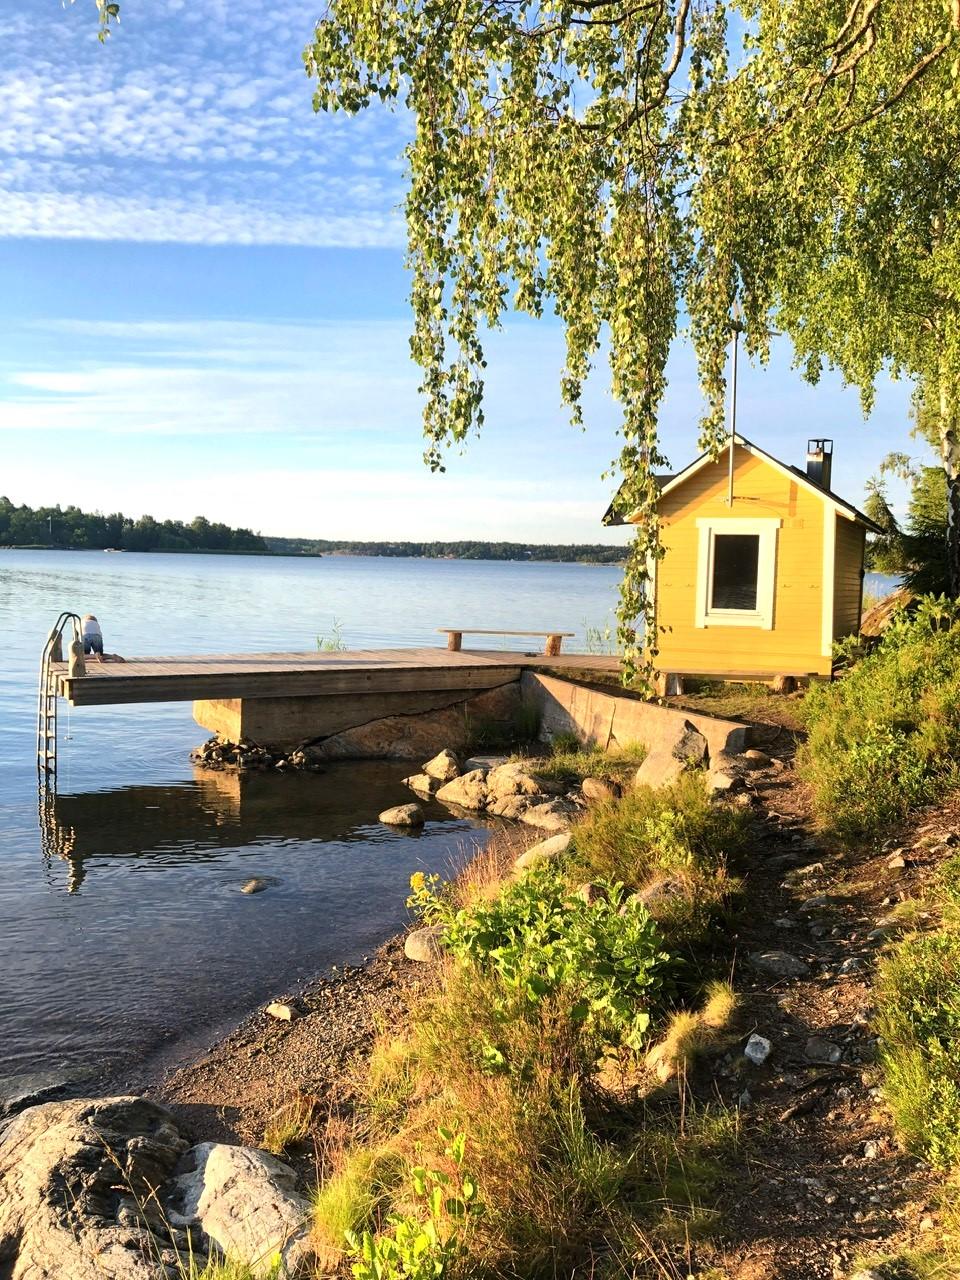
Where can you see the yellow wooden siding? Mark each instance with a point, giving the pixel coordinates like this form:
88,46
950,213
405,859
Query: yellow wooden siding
794,645
846,577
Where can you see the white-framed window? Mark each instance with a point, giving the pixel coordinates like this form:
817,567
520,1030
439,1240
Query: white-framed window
736,572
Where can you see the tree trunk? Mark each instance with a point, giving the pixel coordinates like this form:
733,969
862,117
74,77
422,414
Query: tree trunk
950,455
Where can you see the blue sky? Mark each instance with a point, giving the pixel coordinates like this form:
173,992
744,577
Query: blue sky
203,305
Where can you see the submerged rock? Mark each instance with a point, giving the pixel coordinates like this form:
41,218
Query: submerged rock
255,885
403,815
423,783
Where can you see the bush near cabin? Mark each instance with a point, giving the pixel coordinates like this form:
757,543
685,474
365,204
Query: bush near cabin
886,737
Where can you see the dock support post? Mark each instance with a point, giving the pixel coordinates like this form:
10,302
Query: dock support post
454,640
553,645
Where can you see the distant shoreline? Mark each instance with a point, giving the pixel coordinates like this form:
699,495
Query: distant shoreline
370,553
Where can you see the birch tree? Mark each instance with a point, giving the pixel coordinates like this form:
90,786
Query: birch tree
633,163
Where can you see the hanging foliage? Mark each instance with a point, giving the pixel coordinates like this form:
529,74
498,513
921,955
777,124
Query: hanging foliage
627,163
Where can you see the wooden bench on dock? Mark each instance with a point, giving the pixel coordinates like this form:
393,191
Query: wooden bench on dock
455,637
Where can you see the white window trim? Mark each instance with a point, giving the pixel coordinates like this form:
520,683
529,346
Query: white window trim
766,530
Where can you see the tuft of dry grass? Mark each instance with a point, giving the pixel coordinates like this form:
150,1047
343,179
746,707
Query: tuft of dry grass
290,1124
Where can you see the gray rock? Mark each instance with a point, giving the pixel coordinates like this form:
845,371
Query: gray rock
423,945
598,790
851,965
819,1050
780,964
509,806
657,890
816,903
660,769
757,1050
719,782
68,1173
868,1273
512,780
444,767
554,815
469,791
591,893
255,885
756,759
543,851
403,815
482,762
692,747
22,1091
246,1203
423,783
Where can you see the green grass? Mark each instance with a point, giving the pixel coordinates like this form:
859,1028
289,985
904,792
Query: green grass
918,1021
289,1125
570,762
886,737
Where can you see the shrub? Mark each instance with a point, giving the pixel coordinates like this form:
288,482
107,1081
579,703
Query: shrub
538,940
883,739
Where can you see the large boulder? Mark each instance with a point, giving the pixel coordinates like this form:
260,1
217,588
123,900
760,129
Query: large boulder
660,769
510,806
469,791
553,815
543,851
423,945
444,767
512,780
691,747
77,1183
245,1202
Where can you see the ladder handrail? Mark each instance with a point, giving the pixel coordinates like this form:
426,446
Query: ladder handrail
47,694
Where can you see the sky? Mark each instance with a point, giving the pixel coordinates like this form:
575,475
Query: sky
203,306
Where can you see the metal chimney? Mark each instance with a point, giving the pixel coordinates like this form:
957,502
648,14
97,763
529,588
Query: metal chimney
820,462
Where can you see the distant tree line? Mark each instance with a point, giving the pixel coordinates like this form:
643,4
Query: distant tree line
471,550
73,529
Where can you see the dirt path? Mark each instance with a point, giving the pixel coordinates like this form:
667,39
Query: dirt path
819,1182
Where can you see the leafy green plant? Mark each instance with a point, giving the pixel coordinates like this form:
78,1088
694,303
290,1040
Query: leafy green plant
538,939
425,1243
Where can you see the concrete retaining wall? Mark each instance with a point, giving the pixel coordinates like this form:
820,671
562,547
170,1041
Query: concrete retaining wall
610,720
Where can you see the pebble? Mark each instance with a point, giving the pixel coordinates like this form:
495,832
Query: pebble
871,1150
283,1012
757,1050
779,963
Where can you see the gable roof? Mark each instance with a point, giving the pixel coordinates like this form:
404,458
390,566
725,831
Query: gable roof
667,484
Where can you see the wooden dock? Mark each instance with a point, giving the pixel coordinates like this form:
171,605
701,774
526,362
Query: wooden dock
313,674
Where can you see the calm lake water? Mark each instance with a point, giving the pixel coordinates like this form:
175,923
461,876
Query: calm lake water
129,934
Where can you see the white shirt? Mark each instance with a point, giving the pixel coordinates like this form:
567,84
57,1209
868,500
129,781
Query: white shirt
91,627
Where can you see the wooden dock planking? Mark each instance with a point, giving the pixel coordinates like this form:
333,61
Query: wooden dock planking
309,674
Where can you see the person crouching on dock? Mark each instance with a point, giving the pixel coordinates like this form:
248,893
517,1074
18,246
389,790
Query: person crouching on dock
92,636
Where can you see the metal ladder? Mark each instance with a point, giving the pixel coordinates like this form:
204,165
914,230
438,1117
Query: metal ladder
47,697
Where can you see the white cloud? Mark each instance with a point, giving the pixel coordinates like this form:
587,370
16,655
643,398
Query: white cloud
162,135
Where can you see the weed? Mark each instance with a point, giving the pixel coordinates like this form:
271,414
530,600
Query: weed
570,762
357,1195
289,1124
334,642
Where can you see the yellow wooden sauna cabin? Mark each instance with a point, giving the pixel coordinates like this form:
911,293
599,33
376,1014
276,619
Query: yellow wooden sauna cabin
762,568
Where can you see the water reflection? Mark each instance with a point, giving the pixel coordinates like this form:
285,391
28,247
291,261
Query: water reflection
166,826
